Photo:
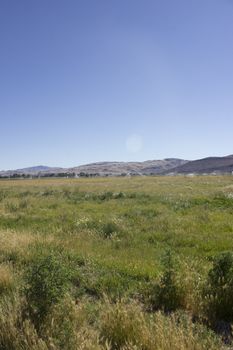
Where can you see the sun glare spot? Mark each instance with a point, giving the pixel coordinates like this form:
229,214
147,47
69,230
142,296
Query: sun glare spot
134,143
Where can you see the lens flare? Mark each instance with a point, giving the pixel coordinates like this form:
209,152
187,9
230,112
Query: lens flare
134,143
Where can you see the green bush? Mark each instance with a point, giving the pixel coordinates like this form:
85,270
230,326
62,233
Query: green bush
109,229
166,294
46,283
218,291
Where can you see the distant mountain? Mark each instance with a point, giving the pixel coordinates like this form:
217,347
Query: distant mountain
104,168
35,170
137,168
218,165
210,165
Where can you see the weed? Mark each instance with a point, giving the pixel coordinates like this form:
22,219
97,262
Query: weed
46,283
219,289
166,294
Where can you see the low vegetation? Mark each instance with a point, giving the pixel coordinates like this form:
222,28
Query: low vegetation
116,263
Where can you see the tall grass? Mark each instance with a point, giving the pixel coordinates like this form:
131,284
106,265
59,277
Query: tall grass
120,326
92,251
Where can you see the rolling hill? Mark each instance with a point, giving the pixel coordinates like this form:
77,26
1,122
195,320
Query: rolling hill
168,166
210,165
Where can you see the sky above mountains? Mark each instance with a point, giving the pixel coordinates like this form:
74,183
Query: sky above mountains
84,81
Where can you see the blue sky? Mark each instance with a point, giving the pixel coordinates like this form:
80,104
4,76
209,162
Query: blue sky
86,80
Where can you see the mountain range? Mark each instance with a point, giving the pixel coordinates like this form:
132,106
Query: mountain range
168,166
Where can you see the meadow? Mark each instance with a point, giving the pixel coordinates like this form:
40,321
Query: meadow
140,263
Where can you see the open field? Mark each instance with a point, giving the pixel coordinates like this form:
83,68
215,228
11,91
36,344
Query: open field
122,243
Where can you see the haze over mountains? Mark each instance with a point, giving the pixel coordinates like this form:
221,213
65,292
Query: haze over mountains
168,166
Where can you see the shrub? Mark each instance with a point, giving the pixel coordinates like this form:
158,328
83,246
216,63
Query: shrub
109,229
218,291
166,294
47,281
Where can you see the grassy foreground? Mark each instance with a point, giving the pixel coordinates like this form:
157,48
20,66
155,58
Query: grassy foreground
116,263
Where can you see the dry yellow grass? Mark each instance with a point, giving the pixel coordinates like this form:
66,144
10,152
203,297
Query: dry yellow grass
12,241
126,327
6,278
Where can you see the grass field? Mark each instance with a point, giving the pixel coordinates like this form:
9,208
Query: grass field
120,245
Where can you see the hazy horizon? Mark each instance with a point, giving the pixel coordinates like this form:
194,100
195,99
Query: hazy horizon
131,80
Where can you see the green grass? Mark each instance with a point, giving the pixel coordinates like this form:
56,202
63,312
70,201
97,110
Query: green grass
113,232
124,224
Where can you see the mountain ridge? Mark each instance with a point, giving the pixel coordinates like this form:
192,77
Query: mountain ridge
208,165
167,166
104,168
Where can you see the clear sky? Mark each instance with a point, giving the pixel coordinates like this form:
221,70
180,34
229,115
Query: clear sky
95,80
